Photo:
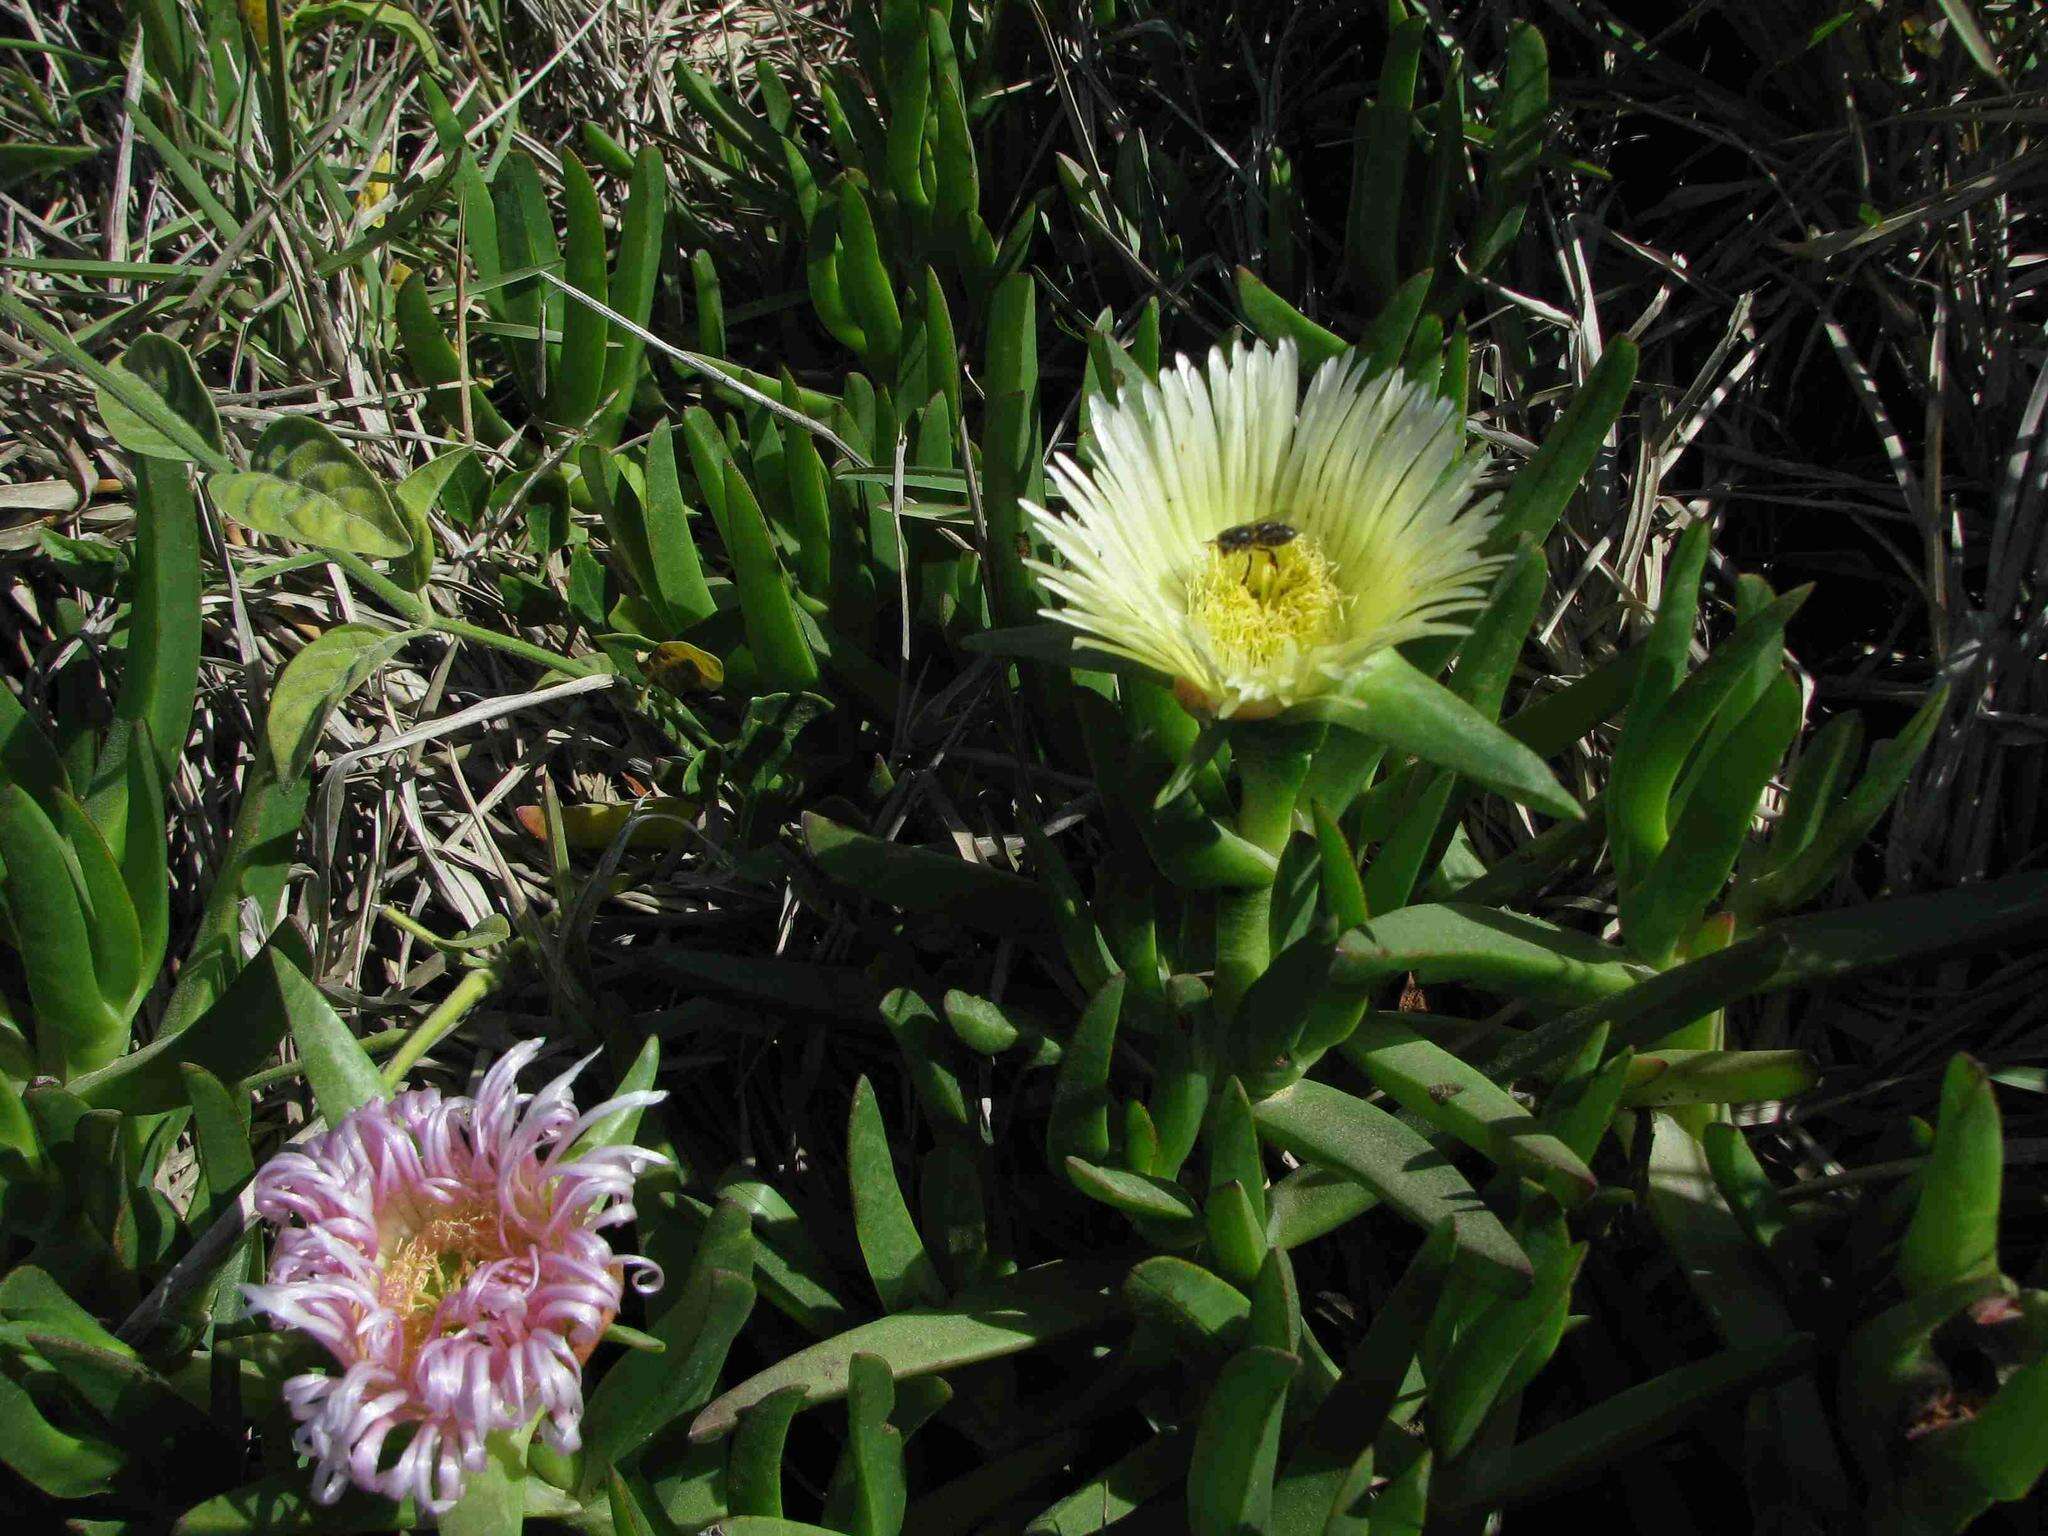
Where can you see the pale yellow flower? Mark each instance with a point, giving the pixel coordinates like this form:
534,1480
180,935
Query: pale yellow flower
1257,547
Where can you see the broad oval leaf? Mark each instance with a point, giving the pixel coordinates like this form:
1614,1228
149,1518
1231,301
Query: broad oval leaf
317,679
306,485
164,369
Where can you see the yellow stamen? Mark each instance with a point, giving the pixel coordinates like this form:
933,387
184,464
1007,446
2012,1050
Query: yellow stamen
425,1265
1261,604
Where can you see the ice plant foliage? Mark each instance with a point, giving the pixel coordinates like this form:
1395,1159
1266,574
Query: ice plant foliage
1370,477
449,1254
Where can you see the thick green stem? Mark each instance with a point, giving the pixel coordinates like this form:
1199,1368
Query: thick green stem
414,611
1243,944
512,645
474,987
1272,763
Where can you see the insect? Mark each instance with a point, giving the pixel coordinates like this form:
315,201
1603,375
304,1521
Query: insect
1245,536
1443,1093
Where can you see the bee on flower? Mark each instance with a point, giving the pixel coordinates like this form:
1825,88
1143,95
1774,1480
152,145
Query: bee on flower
449,1254
1257,547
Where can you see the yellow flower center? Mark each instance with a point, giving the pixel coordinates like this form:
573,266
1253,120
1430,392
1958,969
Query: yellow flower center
1259,605
426,1264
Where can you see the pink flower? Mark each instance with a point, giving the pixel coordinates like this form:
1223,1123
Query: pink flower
448,1254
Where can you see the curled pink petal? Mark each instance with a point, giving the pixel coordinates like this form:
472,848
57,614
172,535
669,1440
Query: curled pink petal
447,1253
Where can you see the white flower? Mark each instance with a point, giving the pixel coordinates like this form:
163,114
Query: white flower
1372,534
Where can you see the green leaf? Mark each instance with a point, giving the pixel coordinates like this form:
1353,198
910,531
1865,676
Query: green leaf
1388,700
1126,1484
30,1296
739,127
919,880
1750,1196
1509,1339
164,369
1343,891
75,1029
675,571
415,498
1238,1245
340,1070
1662,909
889,1242
577,383
433,361
875,1447
629,1511
1639,1416
305,484
161,677
810,509
869,290
644,1392
1187,1303
525,244
1135,1194
1277,1007
114,930
987,1323
1540,489
1078,1125
1954,1232
1799,951
326,671
1656,745
1364,1400
282,1505
621,1129
1011,448
1825,762
1379,163
990,1029
1388,338
635,272
26,757
21,161
61,1465
493,1501
388,14
222,1140
754,1466
1316,1122
2001,1450
1237,1443
1557,720
1435,1086
1522,105
140,399
1663,1078
1276,1321
1277,320
1485,948
1799,869
1311,1202
766,606
1985,56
